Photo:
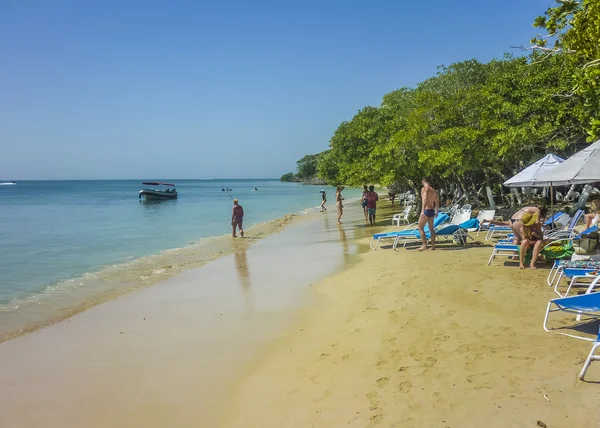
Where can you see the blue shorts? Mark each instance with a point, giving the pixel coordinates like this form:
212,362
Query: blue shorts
364,204
429,213
371,211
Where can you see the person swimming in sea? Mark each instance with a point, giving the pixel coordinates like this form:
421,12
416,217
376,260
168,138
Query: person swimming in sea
237,218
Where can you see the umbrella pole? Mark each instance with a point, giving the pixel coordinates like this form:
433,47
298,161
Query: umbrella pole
552,205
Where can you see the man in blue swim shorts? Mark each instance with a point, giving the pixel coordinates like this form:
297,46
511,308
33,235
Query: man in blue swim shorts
431,204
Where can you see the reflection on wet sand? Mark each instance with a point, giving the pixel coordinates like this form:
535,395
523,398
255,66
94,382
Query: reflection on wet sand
344,241
241,267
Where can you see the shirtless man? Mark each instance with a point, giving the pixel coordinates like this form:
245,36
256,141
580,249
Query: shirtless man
237,218
431,204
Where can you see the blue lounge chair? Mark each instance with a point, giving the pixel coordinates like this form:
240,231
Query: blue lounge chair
587,305
504,249
577,277
568,232
559,218
560,265
497,230
458,233
437,221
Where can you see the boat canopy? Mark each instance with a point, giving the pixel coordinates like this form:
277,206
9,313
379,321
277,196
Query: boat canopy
155,183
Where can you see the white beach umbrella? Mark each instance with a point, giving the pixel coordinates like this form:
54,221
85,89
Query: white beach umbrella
581,168
529,177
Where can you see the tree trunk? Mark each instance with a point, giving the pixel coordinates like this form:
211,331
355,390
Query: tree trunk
569,194
464,191
489,193
515,194
585,195
419,202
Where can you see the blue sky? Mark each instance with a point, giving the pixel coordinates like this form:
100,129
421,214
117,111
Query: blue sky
194,89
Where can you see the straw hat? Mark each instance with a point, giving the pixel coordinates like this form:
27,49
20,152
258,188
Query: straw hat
528,219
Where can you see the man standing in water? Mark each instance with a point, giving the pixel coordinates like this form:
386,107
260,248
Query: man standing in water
431,204
324,200
237,218
371,199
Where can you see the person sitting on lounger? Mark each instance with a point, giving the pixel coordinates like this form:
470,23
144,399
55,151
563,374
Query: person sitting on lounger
532,236
592,218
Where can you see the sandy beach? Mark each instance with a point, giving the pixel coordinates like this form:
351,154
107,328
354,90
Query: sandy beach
309,328
409,339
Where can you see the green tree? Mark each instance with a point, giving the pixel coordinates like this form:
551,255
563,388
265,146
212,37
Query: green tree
307,167
287,177
574,29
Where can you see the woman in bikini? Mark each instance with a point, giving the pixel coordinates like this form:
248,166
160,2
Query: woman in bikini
338,203
363,202
516,221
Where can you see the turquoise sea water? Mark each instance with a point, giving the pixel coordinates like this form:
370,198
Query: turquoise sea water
52,232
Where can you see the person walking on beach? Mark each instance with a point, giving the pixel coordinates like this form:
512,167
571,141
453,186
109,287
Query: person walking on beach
363,202
237,218
323,201
372,199
339,204
431,204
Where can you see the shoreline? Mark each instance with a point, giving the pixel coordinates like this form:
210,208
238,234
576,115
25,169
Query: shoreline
168,354
69,297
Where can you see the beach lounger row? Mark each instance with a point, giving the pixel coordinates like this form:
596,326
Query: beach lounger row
587,305
578,273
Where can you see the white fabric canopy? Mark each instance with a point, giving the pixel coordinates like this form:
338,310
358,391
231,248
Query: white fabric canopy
529,177
583,167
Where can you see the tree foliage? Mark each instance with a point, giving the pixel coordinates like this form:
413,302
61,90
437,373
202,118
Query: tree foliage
288,177
573,26
472,124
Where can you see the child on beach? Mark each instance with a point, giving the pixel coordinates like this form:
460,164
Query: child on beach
323,201
237,218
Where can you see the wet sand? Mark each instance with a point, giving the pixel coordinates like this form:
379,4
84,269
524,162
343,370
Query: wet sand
166,355
409,339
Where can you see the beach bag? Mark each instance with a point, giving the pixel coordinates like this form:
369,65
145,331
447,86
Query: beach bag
558,250
586,244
